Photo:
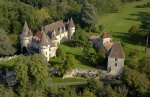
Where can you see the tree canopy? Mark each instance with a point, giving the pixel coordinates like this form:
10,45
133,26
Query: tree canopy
32,74
6,47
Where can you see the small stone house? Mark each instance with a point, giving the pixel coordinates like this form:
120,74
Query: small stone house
113,50
116,59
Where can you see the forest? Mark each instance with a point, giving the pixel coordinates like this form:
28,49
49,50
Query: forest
35,80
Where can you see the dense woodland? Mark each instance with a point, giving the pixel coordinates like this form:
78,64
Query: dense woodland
32,74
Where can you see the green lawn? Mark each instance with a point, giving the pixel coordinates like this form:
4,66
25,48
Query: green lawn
118,24
79,61
60,80
10,63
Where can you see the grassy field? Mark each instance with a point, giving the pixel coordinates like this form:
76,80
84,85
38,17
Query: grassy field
60,80
8,64
80,62
118,24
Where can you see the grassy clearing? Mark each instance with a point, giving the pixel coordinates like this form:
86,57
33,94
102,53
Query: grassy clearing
60,80
79,61
8,64
118,24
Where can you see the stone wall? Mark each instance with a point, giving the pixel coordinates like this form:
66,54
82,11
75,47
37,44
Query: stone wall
116,65
8,58
86,73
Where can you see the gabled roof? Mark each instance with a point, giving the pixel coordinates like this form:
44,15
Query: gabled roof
71,23
108,45
54,26
105,35
116,51
44,40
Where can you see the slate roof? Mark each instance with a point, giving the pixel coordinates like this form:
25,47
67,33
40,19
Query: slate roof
116,51
54,26
44,40
26,32
105,35
71,23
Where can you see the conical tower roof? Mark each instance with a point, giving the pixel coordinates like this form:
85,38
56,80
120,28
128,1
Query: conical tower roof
71,23
25,31
44,40
25,27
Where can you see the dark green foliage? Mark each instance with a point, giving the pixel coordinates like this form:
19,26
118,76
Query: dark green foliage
136,81
94,59
134,52
100,28
79,39
92,85
59,52
89,17
32,74
101,55
66,64
144,66
146,28
6,47
134,33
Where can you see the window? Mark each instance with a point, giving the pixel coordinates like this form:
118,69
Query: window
115,59
46,53
116,64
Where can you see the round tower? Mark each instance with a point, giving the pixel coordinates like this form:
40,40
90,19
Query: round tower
25,41
44,46
44,50
25,36
71,28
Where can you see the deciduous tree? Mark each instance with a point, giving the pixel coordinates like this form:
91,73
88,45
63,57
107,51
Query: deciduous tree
6,47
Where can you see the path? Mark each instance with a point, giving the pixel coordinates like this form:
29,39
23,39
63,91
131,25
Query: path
84,83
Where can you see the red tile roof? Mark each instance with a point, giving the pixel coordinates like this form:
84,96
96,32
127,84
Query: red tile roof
105,35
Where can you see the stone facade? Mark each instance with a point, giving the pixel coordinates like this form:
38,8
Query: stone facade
46,41
114,52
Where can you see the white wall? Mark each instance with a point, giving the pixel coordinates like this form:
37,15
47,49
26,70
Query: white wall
112,64
52,52
25,41
44,50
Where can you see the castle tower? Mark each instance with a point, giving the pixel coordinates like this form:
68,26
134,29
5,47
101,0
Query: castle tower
44,46
25,36
71,28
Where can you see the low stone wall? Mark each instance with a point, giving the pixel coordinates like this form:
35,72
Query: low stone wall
86,73
8,58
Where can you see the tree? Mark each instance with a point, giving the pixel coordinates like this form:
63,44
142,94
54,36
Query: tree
89,16
132,78
101,54
32,74
144,66
6,47
133,62
134,52
134,32
79,39
121,91
42,15
146,28
87,93
100,27
59,52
